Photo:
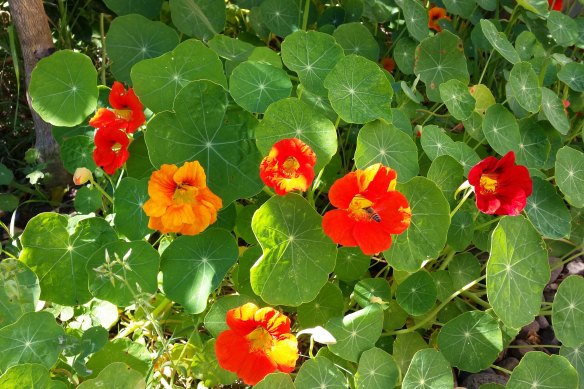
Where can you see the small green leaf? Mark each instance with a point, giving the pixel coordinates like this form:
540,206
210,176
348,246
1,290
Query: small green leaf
6,175
215,317
319,372
538,369
372,291
275,380
428,370
568,311
355,38
570,175
77,151
133,354
417,294
282,17
547,211
464,269
130,218
199,18
458,99
446,173
351,264
63,88
534,148
464,8
117,375
553,110
499,41
563,28
416,17
404,52
377,370
501,129
572,74
193,266
525,86
575,355
405,347
88,200
329,303
19,291
461,231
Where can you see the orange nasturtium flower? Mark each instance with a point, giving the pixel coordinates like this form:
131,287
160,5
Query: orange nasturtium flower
501,187
257,343
180,200
289,166
370,209
127,113
434,15
388,64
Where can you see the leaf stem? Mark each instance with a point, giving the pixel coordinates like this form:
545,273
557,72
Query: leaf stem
466,196
501,369
305,15
100,189
103,48
474,298
483,225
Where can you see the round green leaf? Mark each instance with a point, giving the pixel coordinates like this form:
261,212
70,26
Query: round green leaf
501,129
215,318
138,165
471,341
117,375
534,149
88,200
446,173
568,311
563,28
275,380
547,211
28,375
293,118
122,272
312,55
57,251
199,18
525,86
570,175
358,90
203,128
356,332
572,74
319,372
130,219
241,272
355,38
382,142
283,17
147,8
254,85
517,271
553,110
19,291
63,88
193,266
372,291
438,59
158,81
6,175
290,233
132,38
405,347
428,370
77,151
436,142
473,126
230,48
404,53
499,41
351,264
539,370
464,8
133,354
416,17
443,283
329,303
575,355
426,235
464,269
34,338
457,98
528,46
417,294
377,370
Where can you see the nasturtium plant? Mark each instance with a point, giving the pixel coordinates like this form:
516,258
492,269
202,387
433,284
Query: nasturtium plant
296,194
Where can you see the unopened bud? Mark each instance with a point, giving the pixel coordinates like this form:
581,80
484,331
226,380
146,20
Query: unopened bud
81,176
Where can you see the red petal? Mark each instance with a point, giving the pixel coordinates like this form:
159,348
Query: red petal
242,319
275,322
339,226
383,181
371,237
255,368
343,190
394,211
232,350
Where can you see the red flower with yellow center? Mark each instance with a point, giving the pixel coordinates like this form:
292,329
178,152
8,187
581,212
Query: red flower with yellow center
388,64
289,166
111,149
370,210
257,343
434,15
180,200
127,113
500,186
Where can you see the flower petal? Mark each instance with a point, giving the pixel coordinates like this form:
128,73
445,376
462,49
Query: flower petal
285,353
371,237
343,190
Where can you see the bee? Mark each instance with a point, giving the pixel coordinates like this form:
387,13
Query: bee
374,215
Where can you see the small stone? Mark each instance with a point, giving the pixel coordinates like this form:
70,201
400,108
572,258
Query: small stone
509,363
575,267
543,322
557,270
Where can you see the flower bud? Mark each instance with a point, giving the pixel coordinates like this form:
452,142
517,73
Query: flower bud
81,176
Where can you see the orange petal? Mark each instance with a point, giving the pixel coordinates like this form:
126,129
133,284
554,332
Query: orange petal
231,350
285,353
256,366
343,190
275,322
371,237
339,226
191,173
242,319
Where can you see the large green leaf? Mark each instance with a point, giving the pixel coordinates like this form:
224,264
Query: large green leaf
428,370
570,175
539,370
377,370
576,357
293,118
563,28
568,311
34,338
404,52
157,81
355,38
471,341
525,86
63,88
57,250
501,129
517,271
203,128
76,152
499,41
426,235
356,332
130,218
572,74
19,290
199,18
319,372
117,375
382,142
290,233
148,8
132,38
438,59
547,211
416,17
312,55
29,375
133,354
534,148
193,266
359,91
553,110
123,272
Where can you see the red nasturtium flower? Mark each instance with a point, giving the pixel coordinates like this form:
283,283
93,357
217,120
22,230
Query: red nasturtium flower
180,200
388,64
434,15
370,209
111,149
556,5
127,113
257,343
289,166
500,186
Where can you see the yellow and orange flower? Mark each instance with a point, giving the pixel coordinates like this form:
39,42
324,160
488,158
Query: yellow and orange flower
370,210
180,200
127,113
257,343
289,166
434,15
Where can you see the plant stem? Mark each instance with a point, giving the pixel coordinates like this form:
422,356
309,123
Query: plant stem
501,369
474,298
466,196
483,225
100,189
534,345
447,260
103,48
305,15
486,65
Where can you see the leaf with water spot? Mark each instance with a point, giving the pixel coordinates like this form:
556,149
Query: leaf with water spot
563,28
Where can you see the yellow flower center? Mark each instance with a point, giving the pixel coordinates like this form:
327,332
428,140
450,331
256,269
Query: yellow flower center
116,147
185,194
488,183
260,340
125,114
290,166
361,208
